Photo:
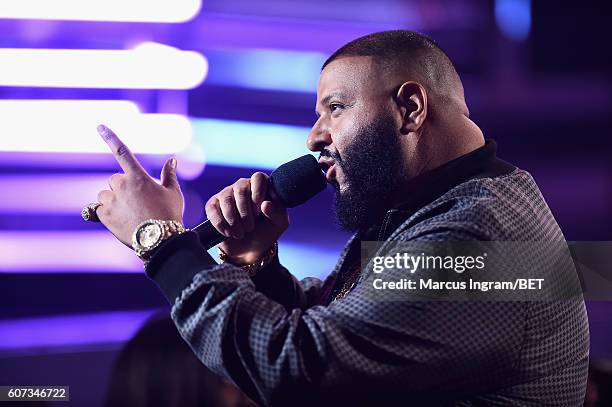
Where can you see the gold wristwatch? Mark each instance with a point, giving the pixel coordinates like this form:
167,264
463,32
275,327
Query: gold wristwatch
150,233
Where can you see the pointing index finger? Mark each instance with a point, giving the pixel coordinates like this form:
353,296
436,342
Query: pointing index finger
122,153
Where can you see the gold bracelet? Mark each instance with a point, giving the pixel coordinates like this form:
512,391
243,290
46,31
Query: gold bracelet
254,267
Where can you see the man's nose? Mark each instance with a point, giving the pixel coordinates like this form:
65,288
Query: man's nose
319,137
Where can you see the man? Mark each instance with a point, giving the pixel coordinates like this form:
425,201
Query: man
408,164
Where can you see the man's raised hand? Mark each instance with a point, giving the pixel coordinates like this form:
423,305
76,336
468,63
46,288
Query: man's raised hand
134,196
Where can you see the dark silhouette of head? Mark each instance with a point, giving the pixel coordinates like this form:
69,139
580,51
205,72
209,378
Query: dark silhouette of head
157,368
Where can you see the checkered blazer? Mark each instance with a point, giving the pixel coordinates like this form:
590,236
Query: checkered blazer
283,345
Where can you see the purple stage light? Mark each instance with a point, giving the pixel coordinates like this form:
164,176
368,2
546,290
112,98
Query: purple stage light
227,31
50,194
147,66
155,11
100,252
69,126
69,251
224,143
100,161
70,330
266,69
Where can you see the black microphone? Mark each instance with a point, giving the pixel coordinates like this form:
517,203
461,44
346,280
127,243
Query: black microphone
291,184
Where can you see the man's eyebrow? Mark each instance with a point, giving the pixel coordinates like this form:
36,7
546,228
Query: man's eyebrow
326,99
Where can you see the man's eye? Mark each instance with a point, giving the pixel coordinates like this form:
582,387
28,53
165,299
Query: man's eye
335,106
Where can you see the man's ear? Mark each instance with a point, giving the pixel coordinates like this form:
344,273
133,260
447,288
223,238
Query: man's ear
412,101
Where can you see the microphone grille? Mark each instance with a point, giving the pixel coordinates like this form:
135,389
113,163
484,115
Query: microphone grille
298,180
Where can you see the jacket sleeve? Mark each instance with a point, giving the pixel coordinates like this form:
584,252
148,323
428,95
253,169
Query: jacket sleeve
274,281
358,344
278,284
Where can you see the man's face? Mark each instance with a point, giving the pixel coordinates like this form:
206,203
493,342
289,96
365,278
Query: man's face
358,139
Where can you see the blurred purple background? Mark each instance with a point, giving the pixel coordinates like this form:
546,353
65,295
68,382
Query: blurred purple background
229,87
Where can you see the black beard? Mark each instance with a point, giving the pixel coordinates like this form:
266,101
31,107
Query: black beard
372,169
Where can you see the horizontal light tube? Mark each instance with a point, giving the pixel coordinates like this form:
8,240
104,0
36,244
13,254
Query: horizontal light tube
99,251
65,251
69,126
266,69
248,145
50,194
148,66
71,330
213,142
157,11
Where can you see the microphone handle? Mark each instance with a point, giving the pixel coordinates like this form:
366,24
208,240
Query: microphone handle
209,236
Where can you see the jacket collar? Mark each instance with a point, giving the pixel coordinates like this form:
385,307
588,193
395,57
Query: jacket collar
426,188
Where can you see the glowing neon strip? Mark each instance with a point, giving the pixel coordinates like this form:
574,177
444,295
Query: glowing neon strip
74,251
159,11
69,126
71,330
248,145
148,66
50,194
210,141
99,251
266,69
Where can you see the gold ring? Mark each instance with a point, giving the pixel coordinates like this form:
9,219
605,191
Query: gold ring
89,212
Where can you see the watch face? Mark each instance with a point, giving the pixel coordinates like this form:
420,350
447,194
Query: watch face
149,234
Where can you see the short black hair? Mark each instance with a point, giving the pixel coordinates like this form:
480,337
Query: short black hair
388,45
405,49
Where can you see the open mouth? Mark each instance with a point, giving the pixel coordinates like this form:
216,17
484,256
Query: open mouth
330,174
329,168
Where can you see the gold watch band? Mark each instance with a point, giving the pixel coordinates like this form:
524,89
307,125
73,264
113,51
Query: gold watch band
169,228
253,268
